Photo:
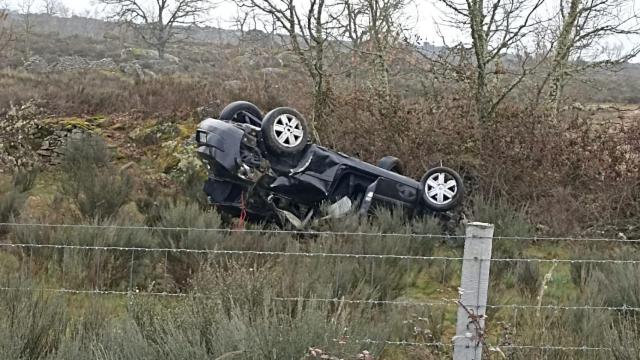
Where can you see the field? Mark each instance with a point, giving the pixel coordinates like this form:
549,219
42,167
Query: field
147,270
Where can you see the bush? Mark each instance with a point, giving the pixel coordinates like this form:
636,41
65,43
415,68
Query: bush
12,201
93,269
616,285
33,324
96,187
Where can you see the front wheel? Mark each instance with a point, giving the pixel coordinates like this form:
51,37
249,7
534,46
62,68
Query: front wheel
442,189
242,112
285,131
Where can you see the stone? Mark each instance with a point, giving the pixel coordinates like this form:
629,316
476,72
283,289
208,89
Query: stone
36,64
70,63
127,166
104,64
272,71
133,69
130,54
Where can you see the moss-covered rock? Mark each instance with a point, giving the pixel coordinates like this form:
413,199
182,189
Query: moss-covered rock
69,124
155,134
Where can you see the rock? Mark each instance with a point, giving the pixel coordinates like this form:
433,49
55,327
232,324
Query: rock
132,69
127,166
272,71
543,229
258,59
70,63
104,64
207,111
117,127
131,54
148,74
287,58
578,106
36,64
160,67
155,134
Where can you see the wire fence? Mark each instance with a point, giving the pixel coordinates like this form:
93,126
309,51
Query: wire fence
444,302
317,233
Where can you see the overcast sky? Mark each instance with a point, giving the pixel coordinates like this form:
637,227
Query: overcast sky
421,16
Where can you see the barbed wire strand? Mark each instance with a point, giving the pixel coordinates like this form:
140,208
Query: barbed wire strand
232,252
310,232
453,302
444,302
224,230
552,347
316,254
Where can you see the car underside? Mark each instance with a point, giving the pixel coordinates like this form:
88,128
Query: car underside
265,168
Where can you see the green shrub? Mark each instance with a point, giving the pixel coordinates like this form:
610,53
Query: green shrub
33,324
616,285
623,337
92,269
96,187
25,179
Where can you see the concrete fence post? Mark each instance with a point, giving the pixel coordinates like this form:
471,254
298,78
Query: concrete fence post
474,285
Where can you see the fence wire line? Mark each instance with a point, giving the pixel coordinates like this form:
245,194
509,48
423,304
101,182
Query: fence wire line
316,254
309,232
224,230
552,347
444,302
232,252
454,302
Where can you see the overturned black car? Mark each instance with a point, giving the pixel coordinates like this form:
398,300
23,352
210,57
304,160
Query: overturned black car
265,168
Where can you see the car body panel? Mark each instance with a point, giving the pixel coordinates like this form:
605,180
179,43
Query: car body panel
304,181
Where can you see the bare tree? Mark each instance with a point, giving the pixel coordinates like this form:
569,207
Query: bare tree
6,31
583,29
496,27
26,8
160,22
307,30
373,28
55,7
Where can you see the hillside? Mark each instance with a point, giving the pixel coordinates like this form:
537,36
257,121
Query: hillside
110,250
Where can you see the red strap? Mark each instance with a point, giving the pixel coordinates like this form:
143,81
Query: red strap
243,213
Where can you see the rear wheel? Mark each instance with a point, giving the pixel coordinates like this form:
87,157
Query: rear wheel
391,163
442,189
242,112
285,131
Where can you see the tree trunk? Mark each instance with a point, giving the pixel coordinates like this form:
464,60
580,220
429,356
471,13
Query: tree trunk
483,98
161,51
561,57
319,107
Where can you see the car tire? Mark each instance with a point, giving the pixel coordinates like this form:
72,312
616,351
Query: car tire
285,131
442,189
236,111
391,163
